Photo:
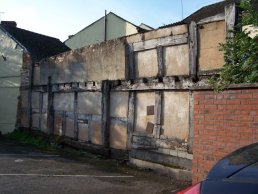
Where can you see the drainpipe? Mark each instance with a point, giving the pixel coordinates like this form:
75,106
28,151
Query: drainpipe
105,27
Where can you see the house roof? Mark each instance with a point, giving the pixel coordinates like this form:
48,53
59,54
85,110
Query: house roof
140,29
145,26
208,11
40,46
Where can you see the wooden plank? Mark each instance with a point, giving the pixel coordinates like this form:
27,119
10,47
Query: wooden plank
131,119
158,113
161,70
216,18
191,122
76,130
63,124
31,75
131,62
166,41
50,108
230,19
105,119
193,49
40,110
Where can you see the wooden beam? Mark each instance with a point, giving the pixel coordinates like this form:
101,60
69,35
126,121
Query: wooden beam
193,49
105,119
230,19
131,62
63,124
76,130
166,41
216,18
40,110
50,108
158,113
130,121
191,123
161,69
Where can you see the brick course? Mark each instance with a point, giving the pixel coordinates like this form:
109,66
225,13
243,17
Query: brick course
223,122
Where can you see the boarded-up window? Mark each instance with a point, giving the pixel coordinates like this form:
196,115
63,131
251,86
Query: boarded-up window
211,34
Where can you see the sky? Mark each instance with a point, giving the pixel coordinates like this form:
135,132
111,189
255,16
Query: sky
60,18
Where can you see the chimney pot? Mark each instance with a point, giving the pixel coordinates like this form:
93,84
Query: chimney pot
9,23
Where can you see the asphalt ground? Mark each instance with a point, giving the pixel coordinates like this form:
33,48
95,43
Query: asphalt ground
27,170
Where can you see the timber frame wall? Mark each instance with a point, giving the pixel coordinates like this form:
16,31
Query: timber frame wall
130,97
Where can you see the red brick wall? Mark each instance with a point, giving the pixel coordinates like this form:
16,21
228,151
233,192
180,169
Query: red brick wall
223,122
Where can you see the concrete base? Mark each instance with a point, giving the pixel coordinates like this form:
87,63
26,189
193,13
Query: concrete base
179,174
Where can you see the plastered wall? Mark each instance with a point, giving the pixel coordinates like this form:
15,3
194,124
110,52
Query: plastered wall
176,115
11,59
159,33
210,36
146,63
105,61
89,103
149,109
118,125
176,60
144,115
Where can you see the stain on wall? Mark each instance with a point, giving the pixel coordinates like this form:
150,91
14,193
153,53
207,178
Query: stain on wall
96,136
118,135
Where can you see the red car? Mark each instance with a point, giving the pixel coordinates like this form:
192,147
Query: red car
237,173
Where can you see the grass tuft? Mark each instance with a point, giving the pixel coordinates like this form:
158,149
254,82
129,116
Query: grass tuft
26,138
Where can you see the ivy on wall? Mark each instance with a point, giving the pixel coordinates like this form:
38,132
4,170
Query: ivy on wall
240,53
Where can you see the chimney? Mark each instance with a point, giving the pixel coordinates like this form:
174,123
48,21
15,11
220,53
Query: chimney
70,36
9,23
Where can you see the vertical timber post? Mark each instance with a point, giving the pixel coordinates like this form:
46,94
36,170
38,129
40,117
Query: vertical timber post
76,130
31,72
130,121
161,70
193,49
230,19
131,63
40,110
50,108
191,123
158,113
105,113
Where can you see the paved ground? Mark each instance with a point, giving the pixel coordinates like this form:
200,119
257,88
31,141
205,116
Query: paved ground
26,170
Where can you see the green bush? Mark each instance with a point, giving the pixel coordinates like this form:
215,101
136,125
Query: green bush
240,53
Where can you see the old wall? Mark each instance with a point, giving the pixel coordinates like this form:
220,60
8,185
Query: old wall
223,122
11,58
210,36
144,113
105,61
176,115
172,57
118,120
131,95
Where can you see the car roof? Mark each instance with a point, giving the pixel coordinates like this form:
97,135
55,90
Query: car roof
235,162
